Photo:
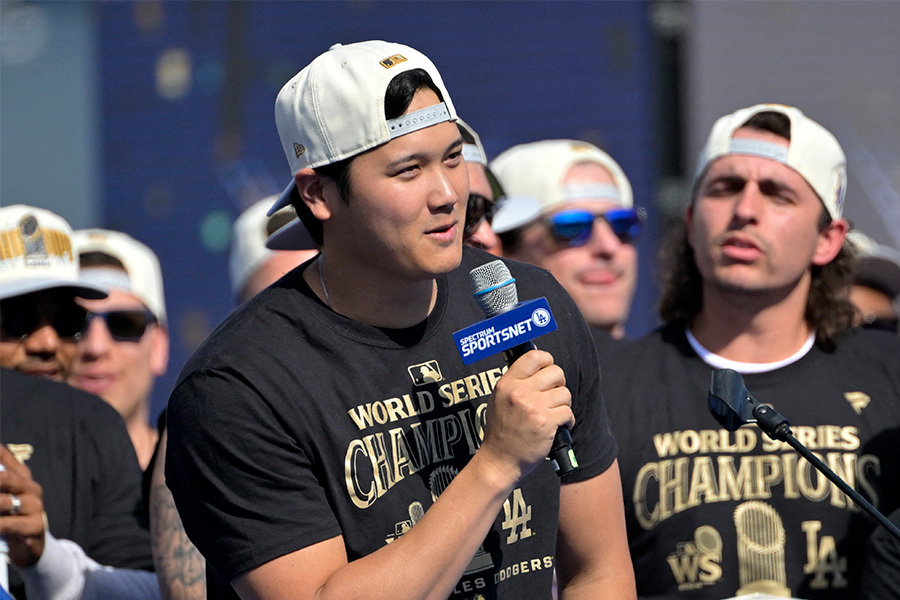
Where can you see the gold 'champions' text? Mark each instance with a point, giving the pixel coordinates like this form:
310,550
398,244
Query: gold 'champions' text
676,482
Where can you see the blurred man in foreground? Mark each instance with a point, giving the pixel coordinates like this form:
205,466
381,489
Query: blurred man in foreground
78,464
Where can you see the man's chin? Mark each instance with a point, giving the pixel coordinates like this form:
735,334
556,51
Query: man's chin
609,320
447,262
45,373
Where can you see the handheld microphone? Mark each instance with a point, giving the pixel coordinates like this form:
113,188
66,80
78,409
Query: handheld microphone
732,405
510,326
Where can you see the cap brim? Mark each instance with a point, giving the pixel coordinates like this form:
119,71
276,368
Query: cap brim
82,289
515,211
293,236
284,199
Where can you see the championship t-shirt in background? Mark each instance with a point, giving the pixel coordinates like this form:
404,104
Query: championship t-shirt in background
713,514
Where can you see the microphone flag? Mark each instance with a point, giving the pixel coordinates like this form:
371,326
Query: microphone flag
518,325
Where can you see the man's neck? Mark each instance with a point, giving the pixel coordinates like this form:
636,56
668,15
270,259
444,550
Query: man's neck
617,331
144,438
371,298
753,329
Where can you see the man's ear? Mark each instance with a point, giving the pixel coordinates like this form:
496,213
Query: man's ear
831,239
159,351
316,191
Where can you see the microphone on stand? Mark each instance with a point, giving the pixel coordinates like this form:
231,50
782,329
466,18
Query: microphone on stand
732,405
509,328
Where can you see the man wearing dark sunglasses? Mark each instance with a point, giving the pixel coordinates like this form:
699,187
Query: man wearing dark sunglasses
40,320
125,344
66,453
570,210
477,231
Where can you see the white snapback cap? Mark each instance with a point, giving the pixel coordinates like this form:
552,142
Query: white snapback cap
334,108
252,235
537,170
513,212
143,275
813,151
472,152
36,253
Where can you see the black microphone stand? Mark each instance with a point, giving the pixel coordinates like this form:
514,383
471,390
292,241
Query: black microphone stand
732,405
773,423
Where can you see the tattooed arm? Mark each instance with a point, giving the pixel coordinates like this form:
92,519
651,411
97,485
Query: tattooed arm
179,565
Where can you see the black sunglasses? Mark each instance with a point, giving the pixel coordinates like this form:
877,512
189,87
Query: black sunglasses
478,209
123,325
19,319
573,228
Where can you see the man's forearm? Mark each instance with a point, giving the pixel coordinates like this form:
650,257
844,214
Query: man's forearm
440,545
180,567
65,572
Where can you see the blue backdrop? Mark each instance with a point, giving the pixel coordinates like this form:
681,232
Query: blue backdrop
188,90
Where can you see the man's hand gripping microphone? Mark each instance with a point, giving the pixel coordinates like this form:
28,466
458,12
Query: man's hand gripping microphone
510,326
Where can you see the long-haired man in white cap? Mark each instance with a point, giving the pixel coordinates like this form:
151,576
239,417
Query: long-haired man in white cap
327,441
757,283
569,209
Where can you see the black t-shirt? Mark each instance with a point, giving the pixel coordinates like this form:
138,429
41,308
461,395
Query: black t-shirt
881,570
711,514
78,449
605,342
293,424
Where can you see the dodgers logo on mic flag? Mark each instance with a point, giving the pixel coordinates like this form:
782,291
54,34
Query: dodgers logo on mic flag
521,324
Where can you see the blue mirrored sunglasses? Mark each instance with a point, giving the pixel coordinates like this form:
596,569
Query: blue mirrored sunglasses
574,227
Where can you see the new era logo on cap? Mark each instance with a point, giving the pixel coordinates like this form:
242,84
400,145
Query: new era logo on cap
333,109
394,60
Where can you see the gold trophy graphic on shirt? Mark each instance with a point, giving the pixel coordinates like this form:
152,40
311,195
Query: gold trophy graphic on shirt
760,547
438,481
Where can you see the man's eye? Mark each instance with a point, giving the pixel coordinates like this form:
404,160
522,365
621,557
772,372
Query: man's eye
406,170
722,188
778,193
